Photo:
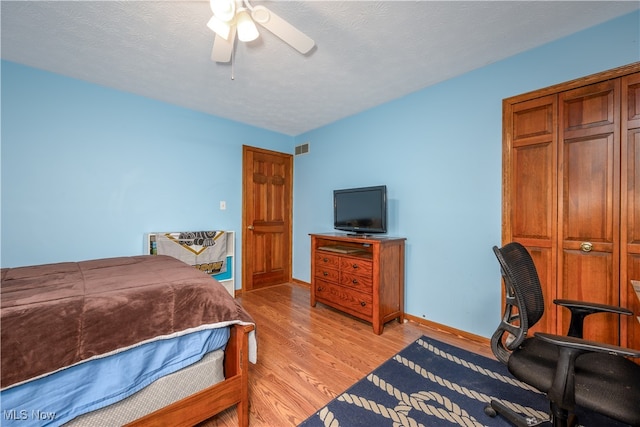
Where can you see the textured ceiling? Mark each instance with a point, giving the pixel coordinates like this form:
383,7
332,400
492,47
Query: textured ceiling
366,52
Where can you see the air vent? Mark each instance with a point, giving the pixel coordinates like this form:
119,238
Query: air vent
302,149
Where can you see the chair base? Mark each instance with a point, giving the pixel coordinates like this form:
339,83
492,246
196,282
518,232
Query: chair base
513,417
559,417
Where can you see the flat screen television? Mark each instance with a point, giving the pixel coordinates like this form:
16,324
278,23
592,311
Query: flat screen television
360,210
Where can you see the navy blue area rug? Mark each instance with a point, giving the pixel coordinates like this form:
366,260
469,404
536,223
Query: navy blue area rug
431,383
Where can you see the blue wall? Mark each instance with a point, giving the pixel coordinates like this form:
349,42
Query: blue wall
87,171
439,152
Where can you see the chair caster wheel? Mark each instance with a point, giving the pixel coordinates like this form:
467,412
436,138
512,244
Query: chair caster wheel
488,410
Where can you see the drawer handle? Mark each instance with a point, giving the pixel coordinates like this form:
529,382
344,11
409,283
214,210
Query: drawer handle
324,273
586,246
363,303
355,265
320,288
354,281
325,259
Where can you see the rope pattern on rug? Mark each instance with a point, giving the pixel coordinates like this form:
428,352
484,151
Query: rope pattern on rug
443,407
327,417
479,369
463,390
398,418
451,412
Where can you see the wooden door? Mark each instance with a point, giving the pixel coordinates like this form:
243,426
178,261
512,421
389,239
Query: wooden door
589,203
630,212
267,200
529,199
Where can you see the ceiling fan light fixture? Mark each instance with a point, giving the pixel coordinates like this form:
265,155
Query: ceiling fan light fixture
247,30
224,10
231,17
223,29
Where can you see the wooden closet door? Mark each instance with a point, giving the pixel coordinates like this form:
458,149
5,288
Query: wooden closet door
630,212
529,190
589,203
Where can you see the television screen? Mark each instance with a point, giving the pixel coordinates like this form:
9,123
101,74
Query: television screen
360,210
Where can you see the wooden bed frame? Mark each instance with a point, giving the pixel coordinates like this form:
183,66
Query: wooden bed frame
234,390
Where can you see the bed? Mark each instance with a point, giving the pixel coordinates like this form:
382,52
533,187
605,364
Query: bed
143,340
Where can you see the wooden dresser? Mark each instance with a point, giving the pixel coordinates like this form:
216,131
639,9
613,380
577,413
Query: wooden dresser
361,276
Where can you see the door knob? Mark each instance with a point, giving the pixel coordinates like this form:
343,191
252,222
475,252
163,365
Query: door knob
586,246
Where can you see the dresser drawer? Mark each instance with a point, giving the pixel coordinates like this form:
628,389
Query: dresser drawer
324,259
356,281
356,266
326,272
341,296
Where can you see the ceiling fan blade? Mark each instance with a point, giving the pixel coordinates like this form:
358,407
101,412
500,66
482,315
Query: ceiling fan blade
222,48
281,28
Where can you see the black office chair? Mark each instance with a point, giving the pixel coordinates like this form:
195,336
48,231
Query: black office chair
572,372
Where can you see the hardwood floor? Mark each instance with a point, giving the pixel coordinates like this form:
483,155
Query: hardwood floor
307,356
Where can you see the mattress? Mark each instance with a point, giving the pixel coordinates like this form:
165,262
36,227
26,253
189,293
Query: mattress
55,399
163,392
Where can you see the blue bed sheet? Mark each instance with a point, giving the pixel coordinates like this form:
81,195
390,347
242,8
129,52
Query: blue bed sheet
58,398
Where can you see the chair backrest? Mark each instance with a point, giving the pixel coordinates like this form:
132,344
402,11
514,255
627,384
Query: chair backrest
524,303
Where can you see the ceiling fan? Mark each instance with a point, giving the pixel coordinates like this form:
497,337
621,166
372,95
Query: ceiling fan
239,16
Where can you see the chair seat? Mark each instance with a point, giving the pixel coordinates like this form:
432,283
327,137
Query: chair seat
604,383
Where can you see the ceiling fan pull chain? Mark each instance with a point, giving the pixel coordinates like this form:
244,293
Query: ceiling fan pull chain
233,64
